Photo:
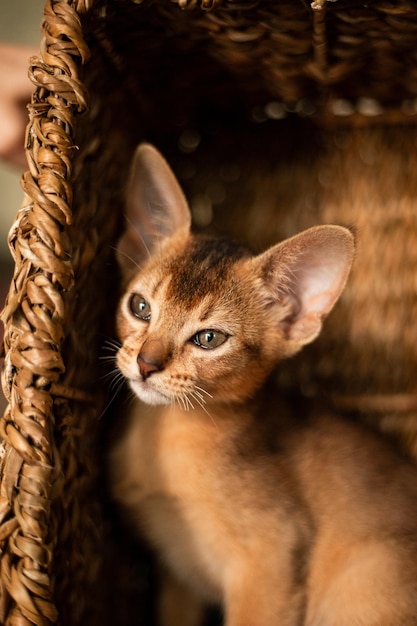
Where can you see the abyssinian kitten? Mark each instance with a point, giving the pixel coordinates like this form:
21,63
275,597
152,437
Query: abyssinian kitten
281,520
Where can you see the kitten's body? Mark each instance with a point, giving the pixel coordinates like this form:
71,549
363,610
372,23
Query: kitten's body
319,531
283,520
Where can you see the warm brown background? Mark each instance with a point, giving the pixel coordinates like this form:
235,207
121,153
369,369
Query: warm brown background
19,23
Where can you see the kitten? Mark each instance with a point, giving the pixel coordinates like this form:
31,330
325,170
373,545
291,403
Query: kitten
283,520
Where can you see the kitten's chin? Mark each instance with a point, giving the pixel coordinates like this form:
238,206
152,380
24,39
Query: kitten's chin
148,395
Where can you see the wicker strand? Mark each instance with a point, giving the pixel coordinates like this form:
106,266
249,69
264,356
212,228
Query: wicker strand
318,5
34,316
319,67
206,5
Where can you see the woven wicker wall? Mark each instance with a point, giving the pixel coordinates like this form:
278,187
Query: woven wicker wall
275,116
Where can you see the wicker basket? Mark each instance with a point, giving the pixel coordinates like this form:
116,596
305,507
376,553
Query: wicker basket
275,116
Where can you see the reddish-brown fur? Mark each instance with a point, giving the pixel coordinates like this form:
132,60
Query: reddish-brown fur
282,519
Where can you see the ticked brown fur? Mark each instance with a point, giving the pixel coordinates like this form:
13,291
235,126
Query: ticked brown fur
283,520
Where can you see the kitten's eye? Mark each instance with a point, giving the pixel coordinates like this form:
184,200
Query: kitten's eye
140,307
209,339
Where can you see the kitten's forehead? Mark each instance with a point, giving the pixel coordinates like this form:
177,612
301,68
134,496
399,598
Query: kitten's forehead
204,269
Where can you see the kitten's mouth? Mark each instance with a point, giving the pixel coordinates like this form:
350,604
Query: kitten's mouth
148,394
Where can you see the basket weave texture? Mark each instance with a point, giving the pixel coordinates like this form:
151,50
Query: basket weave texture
265,89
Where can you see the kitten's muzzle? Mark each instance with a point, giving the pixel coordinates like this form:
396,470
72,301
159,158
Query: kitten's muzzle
152,358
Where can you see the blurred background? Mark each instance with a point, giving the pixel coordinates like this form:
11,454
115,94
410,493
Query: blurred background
20,23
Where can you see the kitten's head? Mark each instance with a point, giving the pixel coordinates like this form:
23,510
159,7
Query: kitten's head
202,319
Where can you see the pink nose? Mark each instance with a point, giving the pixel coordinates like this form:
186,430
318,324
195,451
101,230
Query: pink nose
147,368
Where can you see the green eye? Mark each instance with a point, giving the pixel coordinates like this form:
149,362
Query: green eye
209,339
140,307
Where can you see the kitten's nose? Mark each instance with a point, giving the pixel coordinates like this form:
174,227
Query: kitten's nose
146,368
152,357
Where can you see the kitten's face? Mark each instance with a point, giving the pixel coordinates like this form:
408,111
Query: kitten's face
203,320
194,325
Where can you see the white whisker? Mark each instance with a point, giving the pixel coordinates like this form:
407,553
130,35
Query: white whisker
106,375
189,402
192,394
129,258
118,380
197,394
115,387
203,391
110,357
111,343
181,402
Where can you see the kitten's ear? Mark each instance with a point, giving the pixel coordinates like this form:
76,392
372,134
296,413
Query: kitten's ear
304,276
156,206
